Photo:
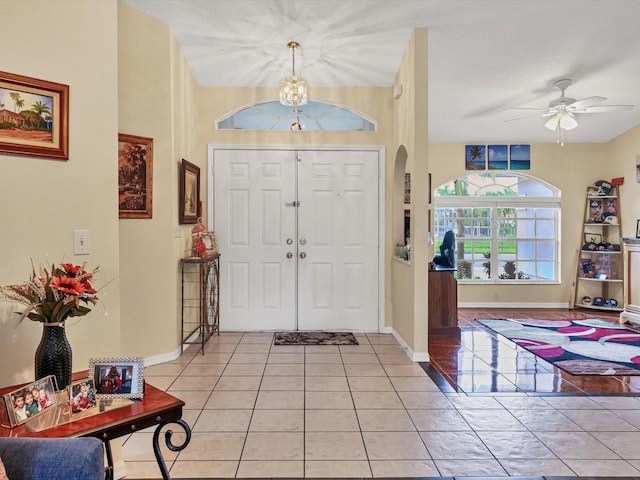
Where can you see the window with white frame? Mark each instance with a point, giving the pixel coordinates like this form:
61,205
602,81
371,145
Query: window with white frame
506,227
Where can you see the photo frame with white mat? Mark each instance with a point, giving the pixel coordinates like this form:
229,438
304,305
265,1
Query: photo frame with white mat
117,377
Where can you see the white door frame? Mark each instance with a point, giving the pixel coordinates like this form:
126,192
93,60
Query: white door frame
293,148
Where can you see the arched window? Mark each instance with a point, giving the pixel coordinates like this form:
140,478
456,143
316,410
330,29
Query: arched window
315,115
506,227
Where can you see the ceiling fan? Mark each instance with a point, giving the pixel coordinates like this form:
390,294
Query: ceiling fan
561,111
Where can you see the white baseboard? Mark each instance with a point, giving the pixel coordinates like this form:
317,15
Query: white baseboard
163,357
511,305
414,356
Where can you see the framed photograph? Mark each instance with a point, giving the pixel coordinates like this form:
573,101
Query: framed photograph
34,117
135,176
638,229
592,238
189,192
30,400
117,377
595,210
82,396
210,243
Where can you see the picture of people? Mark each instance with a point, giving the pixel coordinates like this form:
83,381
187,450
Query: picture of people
117,377
30,400
114,379
595,210
82,396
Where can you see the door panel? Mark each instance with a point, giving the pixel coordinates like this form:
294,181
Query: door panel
252,224
331,280
338,220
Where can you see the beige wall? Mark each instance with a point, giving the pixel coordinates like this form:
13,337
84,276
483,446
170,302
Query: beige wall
570,168
409,279
43,201
157,100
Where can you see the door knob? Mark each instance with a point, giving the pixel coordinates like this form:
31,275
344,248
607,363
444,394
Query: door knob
303,255
289,255
289,241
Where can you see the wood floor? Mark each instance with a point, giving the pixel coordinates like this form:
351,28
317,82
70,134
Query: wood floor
482,362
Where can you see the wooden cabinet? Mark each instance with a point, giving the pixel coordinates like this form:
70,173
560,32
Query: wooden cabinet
631,251
443,302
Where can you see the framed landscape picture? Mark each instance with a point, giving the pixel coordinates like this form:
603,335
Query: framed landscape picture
135,176
34,117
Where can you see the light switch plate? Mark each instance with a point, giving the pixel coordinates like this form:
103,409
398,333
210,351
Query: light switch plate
81,242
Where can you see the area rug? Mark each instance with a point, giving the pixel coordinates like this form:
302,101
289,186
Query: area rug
579,347
314,338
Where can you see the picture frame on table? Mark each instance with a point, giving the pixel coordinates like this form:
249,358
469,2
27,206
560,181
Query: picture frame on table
38,112
82,396
117,377
638,229
135,176
21,404
189,204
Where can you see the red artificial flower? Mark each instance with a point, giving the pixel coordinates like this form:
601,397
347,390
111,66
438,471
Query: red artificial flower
71,269
67,285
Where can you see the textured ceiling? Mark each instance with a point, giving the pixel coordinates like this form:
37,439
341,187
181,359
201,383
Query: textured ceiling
485,56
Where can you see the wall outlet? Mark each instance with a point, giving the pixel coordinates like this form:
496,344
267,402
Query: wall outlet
81,243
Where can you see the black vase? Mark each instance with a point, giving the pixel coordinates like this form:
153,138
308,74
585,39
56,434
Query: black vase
53,355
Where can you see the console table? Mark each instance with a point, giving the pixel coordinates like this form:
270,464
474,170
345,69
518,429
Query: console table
200,299
155,408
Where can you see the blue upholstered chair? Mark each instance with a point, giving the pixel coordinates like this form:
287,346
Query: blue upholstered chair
53,458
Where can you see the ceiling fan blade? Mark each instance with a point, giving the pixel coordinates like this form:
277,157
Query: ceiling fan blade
605,109
585,102
529,108
521,118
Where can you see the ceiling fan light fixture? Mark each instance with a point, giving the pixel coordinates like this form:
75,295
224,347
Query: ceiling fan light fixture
568,121
293,89
552,123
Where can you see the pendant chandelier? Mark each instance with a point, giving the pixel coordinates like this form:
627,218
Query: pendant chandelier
293,89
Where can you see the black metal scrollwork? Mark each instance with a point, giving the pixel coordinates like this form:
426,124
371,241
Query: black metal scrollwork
167,437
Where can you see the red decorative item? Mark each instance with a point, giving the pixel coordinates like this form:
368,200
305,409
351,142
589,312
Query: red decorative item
617,181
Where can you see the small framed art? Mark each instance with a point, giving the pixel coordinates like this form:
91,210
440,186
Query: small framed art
189,192
135,176
35,117
592,238
638,229
117,377
30,400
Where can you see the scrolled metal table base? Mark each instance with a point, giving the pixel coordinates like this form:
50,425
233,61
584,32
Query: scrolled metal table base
167,438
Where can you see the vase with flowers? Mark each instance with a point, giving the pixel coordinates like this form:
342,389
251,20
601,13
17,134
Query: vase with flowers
51,296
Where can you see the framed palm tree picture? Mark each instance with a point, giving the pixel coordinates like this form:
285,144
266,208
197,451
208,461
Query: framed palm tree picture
34,117
475,157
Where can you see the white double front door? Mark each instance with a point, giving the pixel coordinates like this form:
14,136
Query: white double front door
299,239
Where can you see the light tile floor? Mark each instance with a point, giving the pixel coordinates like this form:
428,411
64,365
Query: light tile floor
260,410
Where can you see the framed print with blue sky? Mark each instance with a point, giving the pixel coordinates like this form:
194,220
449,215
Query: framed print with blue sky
520,157
498,157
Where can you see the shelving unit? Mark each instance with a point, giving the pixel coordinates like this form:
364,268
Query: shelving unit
600,273
200,299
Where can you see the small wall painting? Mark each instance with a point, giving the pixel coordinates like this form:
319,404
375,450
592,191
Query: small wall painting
520,157
475,157
498,157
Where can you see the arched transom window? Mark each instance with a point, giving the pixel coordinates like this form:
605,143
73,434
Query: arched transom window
315,115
